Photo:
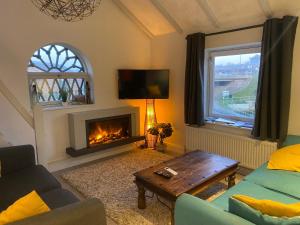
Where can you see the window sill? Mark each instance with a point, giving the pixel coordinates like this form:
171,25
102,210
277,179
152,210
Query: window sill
61,107
232,128
229,123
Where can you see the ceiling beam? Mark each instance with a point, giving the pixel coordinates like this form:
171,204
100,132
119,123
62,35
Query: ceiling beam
133,18
266,8
209,12
167,15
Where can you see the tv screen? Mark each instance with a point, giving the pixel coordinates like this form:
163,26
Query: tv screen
143,84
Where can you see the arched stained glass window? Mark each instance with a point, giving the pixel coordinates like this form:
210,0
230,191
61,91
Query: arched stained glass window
54,69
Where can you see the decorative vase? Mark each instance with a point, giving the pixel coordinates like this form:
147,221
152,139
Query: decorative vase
152,141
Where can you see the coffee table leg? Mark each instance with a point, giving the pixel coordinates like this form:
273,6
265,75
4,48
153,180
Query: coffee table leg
172,213
141,197
231,180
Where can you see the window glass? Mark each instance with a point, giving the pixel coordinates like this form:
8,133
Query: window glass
234,84
55,58
53,69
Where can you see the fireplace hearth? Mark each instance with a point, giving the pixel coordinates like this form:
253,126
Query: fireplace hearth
97,130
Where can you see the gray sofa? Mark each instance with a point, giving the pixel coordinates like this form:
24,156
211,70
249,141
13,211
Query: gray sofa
19,175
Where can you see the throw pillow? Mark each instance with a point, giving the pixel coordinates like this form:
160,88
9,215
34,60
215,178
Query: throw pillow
257,217
27,206
287,158
271,207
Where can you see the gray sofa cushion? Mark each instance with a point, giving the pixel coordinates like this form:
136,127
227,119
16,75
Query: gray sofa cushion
16,185
58,198
16,158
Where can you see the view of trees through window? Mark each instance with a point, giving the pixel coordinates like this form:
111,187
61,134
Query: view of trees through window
235,81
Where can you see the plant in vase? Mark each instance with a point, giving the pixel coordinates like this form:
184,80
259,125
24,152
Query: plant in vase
162,131
64,96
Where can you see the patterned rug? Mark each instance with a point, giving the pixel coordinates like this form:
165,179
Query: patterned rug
111,181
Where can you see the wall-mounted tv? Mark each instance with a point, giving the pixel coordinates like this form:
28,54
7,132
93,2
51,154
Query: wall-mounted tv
143,84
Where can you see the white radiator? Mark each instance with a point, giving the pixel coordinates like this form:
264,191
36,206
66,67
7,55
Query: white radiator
249,152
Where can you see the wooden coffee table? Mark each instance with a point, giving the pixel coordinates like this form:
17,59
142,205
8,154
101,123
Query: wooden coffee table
196,171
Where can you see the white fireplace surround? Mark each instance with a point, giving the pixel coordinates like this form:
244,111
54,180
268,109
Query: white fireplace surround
77,123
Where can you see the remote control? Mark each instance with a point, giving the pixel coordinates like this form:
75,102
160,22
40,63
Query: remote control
164,173
171,171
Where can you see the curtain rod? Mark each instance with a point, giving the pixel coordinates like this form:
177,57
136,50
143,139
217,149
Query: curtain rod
234,30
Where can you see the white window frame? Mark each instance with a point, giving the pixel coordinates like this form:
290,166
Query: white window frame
32,76
223,51
43,75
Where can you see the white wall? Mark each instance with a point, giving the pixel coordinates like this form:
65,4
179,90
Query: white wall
294,121
235,38
168,51
108,39
13,127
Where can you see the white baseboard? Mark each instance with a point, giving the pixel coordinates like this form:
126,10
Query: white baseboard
65,163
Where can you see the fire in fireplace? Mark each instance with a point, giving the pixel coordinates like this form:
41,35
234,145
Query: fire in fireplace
107,130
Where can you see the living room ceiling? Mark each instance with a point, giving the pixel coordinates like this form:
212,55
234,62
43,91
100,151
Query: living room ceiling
159,17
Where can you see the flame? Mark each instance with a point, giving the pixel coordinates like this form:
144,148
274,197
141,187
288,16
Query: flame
102,136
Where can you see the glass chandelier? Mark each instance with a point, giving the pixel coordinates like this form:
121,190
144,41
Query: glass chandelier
67,10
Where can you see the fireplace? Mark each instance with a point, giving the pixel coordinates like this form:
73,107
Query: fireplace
104,129
108,130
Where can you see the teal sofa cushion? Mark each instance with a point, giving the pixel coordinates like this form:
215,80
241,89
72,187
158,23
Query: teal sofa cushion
252,190
243,210
291,140
278,180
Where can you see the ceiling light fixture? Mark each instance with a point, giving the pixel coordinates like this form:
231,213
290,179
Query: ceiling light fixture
67,10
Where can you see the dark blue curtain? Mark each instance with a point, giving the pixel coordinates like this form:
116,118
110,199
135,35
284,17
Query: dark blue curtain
194,80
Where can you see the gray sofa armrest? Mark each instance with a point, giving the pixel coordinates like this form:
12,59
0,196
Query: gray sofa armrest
15,158
88,212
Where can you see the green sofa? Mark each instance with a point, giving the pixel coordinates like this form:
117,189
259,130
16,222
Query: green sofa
278,185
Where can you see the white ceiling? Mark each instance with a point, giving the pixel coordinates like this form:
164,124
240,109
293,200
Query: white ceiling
158,17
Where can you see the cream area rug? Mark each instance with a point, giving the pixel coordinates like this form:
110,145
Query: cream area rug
111,181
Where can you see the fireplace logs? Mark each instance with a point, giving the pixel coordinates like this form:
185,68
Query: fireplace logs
111,129
100,136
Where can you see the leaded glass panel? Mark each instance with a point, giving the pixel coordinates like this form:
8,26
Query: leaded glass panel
50,71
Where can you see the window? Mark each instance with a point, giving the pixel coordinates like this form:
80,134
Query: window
53,69
233,78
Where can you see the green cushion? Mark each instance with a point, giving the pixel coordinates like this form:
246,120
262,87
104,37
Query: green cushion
252,190
243,210
279,180
291,140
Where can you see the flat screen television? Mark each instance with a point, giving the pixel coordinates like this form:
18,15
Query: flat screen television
143,84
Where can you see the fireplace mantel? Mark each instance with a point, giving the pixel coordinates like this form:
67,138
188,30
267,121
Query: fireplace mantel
77,128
